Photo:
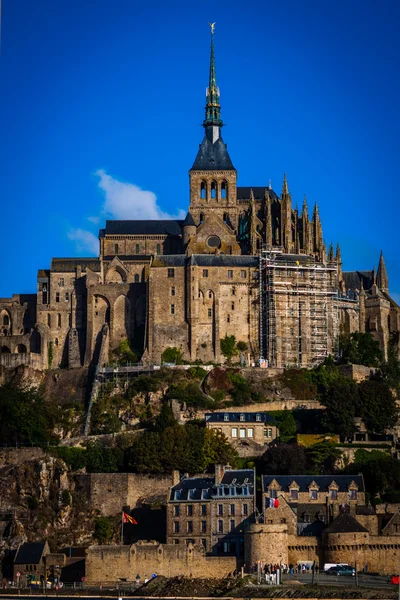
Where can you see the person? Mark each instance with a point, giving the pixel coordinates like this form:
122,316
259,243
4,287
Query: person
316,569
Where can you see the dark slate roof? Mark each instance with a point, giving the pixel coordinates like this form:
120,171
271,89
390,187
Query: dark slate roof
192,487
189,220
313,510
30,553
148,227
68,265
219,417
238,477
212,157
170,260
323,481
43,273
130,257
224,260
202,488
243,193
345,523
352,279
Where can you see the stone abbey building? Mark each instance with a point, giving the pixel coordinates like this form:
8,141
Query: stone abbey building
243,262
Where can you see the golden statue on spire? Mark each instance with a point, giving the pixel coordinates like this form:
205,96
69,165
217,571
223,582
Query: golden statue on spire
212,25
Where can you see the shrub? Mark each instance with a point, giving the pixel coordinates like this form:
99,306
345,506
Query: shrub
124,353
172,355
74,457
103,530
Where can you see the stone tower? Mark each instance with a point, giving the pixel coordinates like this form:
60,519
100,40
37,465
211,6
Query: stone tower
213,176
382,279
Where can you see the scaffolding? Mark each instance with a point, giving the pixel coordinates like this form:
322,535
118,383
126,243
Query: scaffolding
298,316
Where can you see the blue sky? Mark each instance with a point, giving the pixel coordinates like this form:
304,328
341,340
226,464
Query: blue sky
101,104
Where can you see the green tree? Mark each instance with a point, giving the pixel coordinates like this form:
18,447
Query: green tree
241,346
103,459
165,418
218,450
323,456
103,530
340,399
286,423
360,349
381,472
377,405
390,370
124,353
284,459
228,347
26,417
172,355
240,392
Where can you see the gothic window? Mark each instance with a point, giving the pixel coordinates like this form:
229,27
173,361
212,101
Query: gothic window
223,191
233,306
158,250
173,291
225,217
137,249
58,320
137,278
116,249
213,190
171,272
49,319
66,296
57,296
203,190
6,320
61,282
228,318
172,309
210,294
201,218
56,341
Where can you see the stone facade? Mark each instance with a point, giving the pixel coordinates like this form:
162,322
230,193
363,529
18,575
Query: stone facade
249,433
212,511
244,262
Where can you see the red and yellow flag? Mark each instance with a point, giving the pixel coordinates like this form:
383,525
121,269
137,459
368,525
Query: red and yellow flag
128,519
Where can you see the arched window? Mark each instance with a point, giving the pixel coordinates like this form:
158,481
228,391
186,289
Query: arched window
6,320
201,217
223,189
137,278
137,249
213,190
225,217
203,190
58,320
56,341
49,319
158,250
116,249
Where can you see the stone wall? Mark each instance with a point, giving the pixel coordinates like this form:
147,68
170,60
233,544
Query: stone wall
117,563
375,553
109,492
17,456
356,372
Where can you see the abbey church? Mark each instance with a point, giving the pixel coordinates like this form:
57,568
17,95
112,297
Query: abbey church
243,262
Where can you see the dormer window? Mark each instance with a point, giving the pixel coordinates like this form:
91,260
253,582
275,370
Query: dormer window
192,494
273,493
226,417
353,494
294,494
313,494
258,418
178,494
333,494
242,418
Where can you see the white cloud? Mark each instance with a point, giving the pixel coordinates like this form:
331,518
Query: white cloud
85,240
128,201
122,200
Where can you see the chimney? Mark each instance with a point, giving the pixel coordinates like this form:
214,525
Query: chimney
176,477
219,473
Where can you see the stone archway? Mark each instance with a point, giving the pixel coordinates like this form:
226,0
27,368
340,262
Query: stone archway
5,350
121,326
115,275
5,322
21,349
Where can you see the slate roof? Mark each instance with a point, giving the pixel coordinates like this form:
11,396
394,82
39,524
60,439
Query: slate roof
147,227
323,481
202,488
212,157
345,523
30,553
224,260
189,220
312,509
170,260
68,265
352,279
243,193
219,417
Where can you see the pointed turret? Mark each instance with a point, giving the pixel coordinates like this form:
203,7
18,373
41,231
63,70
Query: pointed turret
331,256
306,228
286,217
382,279
213,154
339,269
268,219
317,231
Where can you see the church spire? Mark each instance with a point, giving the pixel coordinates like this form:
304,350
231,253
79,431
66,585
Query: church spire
213,108
382,279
